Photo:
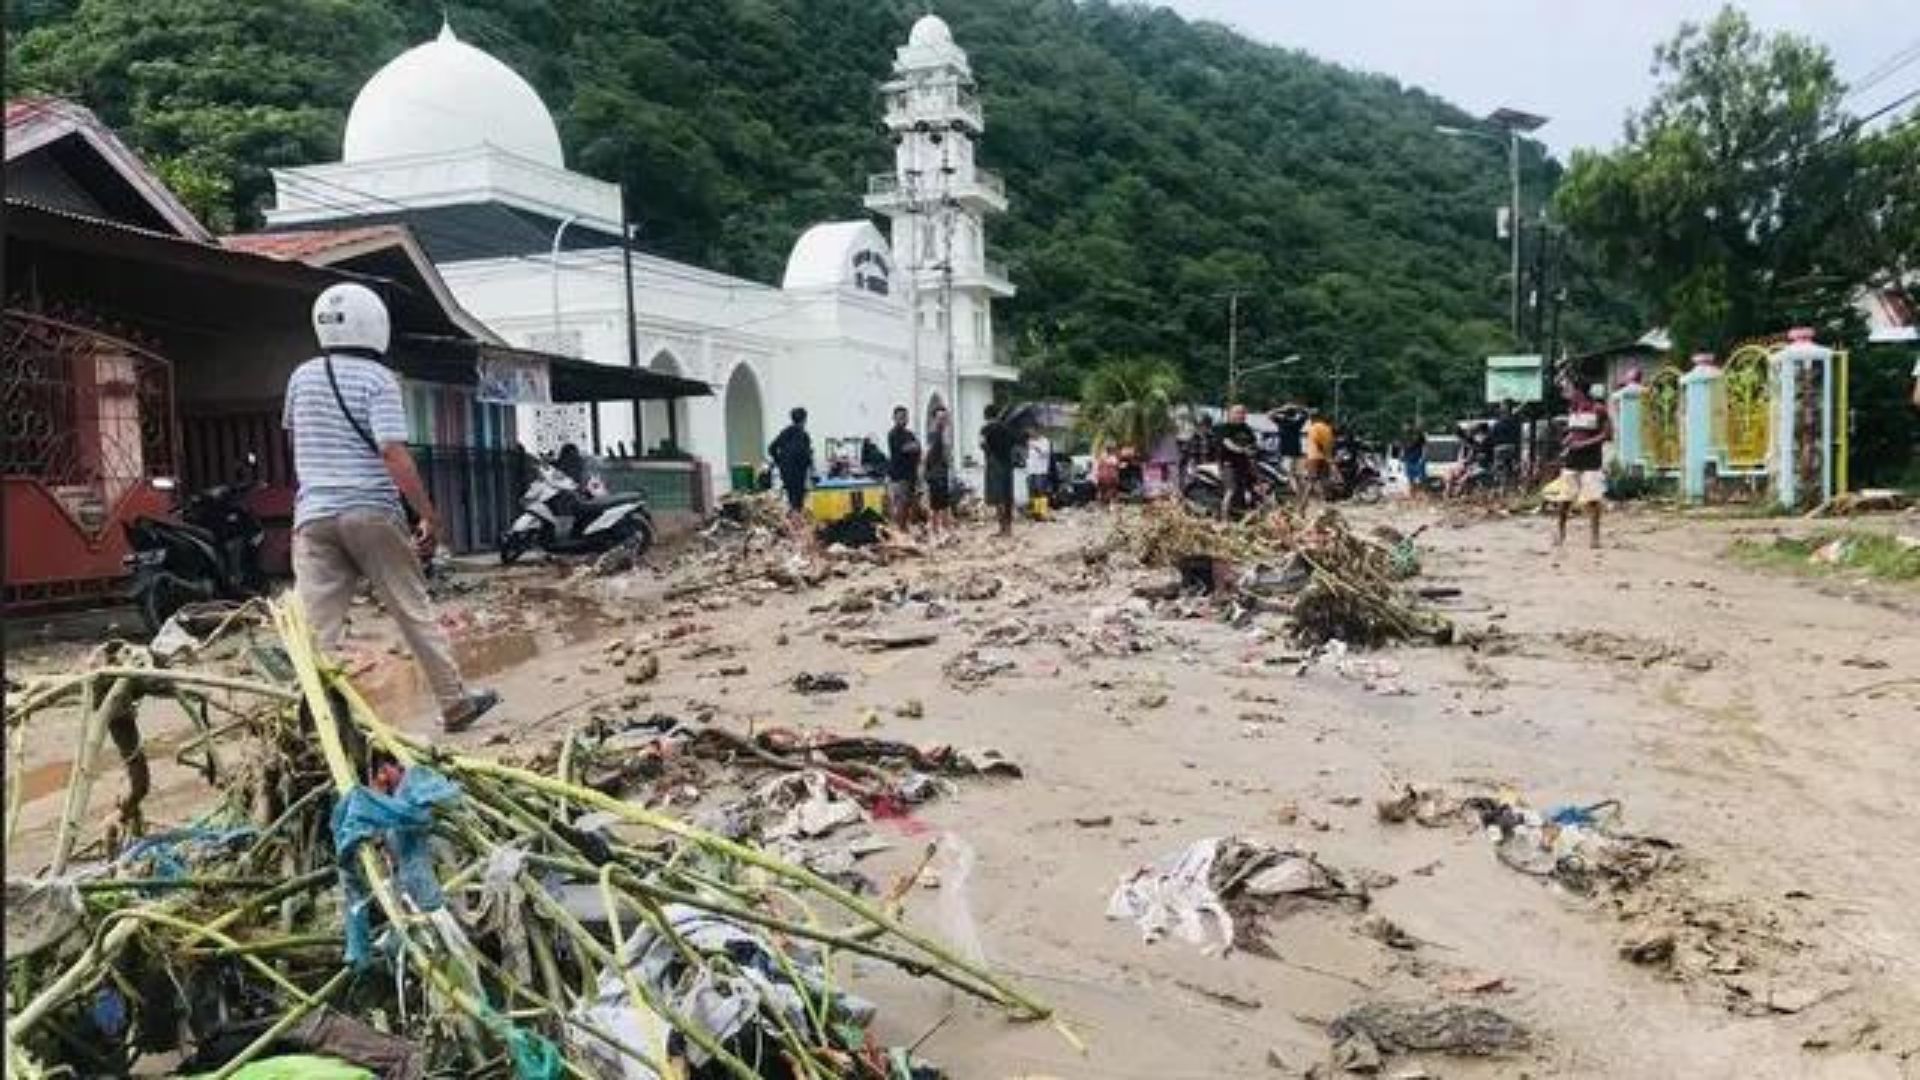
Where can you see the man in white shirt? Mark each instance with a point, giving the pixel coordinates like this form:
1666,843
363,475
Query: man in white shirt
1039,471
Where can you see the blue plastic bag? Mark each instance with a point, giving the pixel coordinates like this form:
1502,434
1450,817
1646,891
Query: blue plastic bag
403,822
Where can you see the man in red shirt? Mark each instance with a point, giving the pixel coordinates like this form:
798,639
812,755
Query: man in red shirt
1583,480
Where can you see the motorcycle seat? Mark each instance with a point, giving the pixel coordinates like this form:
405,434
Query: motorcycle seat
588,507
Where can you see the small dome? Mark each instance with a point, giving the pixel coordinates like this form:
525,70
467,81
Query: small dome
931,32
444,96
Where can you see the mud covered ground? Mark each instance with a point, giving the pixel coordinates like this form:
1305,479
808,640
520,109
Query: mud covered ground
1764,725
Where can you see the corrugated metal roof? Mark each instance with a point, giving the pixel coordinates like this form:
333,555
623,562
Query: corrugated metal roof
309,243
34,123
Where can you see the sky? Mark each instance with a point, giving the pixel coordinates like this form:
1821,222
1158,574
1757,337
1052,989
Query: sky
1582,63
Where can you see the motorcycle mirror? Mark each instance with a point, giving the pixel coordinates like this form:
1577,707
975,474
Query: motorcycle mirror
163,483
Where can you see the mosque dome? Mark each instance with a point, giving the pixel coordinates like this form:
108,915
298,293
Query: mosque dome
445,96
931,32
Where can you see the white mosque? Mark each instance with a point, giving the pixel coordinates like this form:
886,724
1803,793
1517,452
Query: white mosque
452,142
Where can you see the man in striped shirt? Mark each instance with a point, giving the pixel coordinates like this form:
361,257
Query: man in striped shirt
349,431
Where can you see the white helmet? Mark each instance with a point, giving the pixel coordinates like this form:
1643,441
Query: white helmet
351,316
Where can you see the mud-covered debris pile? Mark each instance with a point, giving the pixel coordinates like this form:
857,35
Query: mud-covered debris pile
1334,583
378,902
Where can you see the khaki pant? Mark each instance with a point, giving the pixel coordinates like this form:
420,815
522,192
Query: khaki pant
333,555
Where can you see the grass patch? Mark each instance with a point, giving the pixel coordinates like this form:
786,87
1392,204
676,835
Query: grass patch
1864,554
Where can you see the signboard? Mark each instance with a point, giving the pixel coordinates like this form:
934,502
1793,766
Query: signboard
1514,378
512,380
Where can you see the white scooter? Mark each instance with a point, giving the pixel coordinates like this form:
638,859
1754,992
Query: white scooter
560,519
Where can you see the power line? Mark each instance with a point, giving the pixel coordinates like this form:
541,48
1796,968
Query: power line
1885,70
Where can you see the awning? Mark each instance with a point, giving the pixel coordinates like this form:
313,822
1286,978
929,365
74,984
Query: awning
454,361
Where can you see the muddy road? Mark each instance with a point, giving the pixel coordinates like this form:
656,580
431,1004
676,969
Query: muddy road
1764,725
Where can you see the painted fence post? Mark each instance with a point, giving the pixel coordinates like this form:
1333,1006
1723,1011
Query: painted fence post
1701,428
1627,419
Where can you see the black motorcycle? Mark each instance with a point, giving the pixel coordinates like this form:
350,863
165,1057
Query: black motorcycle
212,552
1204,487
1357,472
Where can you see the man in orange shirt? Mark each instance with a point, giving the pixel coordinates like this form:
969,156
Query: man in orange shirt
1319,465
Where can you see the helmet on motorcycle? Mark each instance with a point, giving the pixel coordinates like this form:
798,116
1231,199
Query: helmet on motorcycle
350,317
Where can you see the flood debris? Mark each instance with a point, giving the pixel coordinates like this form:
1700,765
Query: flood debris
973,668
1365,1037
1331,582
1214,892
383,903
1580,848
825,682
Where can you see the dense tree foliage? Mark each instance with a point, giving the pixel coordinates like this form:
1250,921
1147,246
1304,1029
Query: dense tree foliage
1156,165
1744,200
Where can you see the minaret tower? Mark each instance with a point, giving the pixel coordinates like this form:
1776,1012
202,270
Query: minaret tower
938,199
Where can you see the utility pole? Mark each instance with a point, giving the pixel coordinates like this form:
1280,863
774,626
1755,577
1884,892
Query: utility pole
1233,348
1515,123
1338,377
1513,220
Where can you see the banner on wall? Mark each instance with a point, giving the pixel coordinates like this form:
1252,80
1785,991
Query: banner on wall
512,380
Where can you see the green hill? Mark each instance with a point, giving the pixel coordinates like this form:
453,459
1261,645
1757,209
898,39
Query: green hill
1155,164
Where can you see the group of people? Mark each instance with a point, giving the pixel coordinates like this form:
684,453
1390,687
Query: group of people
912,467
347,419
1303,443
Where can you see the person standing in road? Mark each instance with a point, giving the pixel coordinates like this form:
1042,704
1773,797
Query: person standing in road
1413,458
939,469
998,440
1039,474
1289,426
1318,468
903,471
349,432
1582,483
792,454
1238,444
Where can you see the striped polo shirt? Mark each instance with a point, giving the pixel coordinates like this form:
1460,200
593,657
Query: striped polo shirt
336,469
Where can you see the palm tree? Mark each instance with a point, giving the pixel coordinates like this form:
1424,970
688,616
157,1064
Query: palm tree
1129,402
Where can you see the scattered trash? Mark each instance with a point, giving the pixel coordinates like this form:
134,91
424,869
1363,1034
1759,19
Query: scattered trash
808,682
1648,947
973,668
888,642
1366,1036
1211,892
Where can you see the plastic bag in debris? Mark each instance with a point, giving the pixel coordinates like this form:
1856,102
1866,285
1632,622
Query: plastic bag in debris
1175,894
814,808
171,853
301,1067
402,821
735,1006
953,863
41,914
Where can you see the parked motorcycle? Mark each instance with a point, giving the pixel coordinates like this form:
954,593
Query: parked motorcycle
562,519
1358,474
211,553
1204,486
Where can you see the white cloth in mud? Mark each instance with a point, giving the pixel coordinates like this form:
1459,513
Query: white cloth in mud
1174,894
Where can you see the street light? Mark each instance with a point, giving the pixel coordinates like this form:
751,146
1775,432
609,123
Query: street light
1239,373
1515,123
